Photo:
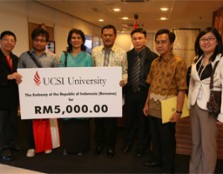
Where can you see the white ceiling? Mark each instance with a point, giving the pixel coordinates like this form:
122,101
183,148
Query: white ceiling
181,14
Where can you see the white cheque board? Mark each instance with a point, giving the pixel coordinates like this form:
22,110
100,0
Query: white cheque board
70,92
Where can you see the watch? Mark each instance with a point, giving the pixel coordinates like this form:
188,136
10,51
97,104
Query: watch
179,112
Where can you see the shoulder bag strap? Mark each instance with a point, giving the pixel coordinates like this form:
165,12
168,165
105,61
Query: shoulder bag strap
65,60
212,75
34,60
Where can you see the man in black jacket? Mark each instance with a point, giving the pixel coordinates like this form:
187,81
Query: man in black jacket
139,61
9,97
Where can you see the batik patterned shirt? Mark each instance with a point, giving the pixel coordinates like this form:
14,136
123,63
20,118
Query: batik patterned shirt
167,76
117,57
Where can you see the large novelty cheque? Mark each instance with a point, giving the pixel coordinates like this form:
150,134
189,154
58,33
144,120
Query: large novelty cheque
70,92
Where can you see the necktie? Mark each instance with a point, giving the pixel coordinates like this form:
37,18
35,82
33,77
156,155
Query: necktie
136,74
9,60
106,62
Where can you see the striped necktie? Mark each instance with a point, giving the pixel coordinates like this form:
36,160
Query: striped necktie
106,60
136,74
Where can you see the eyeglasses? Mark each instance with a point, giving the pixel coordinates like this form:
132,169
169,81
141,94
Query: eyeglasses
40,40
210,39
9,40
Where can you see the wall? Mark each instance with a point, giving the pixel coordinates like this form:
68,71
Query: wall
14,15
17,14
218,20
124,41
184,44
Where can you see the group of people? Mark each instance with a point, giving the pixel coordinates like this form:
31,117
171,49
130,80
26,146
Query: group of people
147,79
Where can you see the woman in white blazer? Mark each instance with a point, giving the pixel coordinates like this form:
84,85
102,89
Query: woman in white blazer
209,50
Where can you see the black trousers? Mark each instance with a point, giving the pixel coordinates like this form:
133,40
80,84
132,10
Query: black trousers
164,143
105,131
30,135
135,120
76,135
8,128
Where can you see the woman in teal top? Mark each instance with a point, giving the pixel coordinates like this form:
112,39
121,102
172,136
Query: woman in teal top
83,59
76,55
76,132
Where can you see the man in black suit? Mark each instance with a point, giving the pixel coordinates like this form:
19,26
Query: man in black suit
9,97
139,61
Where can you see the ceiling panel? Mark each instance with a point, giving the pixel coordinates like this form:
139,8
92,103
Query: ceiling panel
181,14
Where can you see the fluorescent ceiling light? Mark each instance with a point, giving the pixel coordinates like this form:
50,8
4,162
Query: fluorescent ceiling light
100,20
163,18
125,18
116,9
164,9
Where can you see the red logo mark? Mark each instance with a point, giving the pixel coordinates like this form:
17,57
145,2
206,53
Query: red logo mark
37,79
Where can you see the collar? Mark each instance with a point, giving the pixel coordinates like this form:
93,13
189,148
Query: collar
218,57
141,53
32,51
166,57
111,48
10,55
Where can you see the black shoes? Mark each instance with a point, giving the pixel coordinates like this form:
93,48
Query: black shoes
65,152
151,164
6,155
140,152
126,149
16,147
110,152
98,150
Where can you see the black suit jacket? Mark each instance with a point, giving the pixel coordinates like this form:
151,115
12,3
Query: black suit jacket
8,88
149,57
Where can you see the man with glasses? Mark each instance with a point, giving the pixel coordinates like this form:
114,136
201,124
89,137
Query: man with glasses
37,57
9,79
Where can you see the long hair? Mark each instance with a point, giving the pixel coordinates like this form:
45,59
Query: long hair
81,33
219,47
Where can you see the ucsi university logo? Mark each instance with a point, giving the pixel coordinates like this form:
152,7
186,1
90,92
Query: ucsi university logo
37,79
47,80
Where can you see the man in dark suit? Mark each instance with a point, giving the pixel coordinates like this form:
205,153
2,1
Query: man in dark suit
139,61
9,99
